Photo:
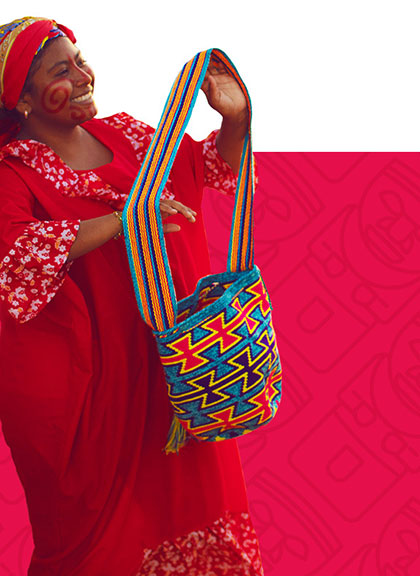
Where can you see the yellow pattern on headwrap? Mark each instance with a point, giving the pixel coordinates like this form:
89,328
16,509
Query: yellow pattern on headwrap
8,34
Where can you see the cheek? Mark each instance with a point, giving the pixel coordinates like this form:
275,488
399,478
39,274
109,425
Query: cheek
56,95
81,114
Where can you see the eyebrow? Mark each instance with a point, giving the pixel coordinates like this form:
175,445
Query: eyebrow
64,61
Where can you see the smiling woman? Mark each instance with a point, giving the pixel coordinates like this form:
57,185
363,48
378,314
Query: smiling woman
83,401
58,98
64,86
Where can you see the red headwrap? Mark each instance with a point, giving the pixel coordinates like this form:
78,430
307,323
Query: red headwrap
20,40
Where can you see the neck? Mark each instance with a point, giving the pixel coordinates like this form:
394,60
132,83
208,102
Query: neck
61,139
76,147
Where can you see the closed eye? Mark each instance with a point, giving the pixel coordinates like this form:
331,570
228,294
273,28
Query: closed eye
61,72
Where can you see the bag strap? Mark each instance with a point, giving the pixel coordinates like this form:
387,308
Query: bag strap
142,221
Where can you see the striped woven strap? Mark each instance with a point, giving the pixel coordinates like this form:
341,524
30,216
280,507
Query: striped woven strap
142,221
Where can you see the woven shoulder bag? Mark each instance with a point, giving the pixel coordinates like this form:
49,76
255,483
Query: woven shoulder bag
218,346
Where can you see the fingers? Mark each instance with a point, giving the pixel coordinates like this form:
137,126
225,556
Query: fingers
171,228
215,69
171,207
216,66
166,210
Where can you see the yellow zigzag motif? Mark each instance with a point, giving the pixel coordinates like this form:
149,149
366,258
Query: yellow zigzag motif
224,419
215,387
220,332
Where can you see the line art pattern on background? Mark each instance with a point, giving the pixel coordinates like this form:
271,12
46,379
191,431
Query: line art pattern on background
333,479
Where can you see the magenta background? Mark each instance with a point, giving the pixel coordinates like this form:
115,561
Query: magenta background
333,481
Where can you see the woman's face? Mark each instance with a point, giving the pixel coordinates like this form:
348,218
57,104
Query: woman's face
62,87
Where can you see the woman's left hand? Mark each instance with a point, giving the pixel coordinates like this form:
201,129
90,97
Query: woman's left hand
223,93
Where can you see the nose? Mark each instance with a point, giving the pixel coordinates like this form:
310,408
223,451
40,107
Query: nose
82,77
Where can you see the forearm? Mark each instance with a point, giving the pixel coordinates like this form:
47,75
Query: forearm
230,140
93,233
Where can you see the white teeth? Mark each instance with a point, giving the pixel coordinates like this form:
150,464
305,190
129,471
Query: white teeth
83,98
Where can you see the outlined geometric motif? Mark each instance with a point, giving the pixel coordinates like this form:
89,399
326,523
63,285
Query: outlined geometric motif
223,372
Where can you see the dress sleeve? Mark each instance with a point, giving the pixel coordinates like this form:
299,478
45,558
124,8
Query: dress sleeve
33,253
217,173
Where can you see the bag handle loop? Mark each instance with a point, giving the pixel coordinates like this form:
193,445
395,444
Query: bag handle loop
143,229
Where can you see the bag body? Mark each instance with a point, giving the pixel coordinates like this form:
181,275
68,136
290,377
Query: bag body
221,361
218,346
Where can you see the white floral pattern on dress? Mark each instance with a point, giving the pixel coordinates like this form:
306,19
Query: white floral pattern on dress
218,173
229,547
45,161
68,182
139,135
35,268
27,286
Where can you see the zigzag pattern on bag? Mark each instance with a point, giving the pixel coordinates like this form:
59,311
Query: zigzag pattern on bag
224,374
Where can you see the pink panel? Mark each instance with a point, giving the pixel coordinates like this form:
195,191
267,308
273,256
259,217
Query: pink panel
333,481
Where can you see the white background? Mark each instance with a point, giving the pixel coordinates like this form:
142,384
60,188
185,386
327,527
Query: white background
324,75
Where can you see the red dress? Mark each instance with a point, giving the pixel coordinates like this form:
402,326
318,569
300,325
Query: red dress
83,401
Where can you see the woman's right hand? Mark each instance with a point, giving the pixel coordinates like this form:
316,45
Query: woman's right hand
172,207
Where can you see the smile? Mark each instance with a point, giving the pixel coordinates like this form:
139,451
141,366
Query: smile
84,98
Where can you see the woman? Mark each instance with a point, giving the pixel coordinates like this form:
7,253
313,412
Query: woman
83,401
